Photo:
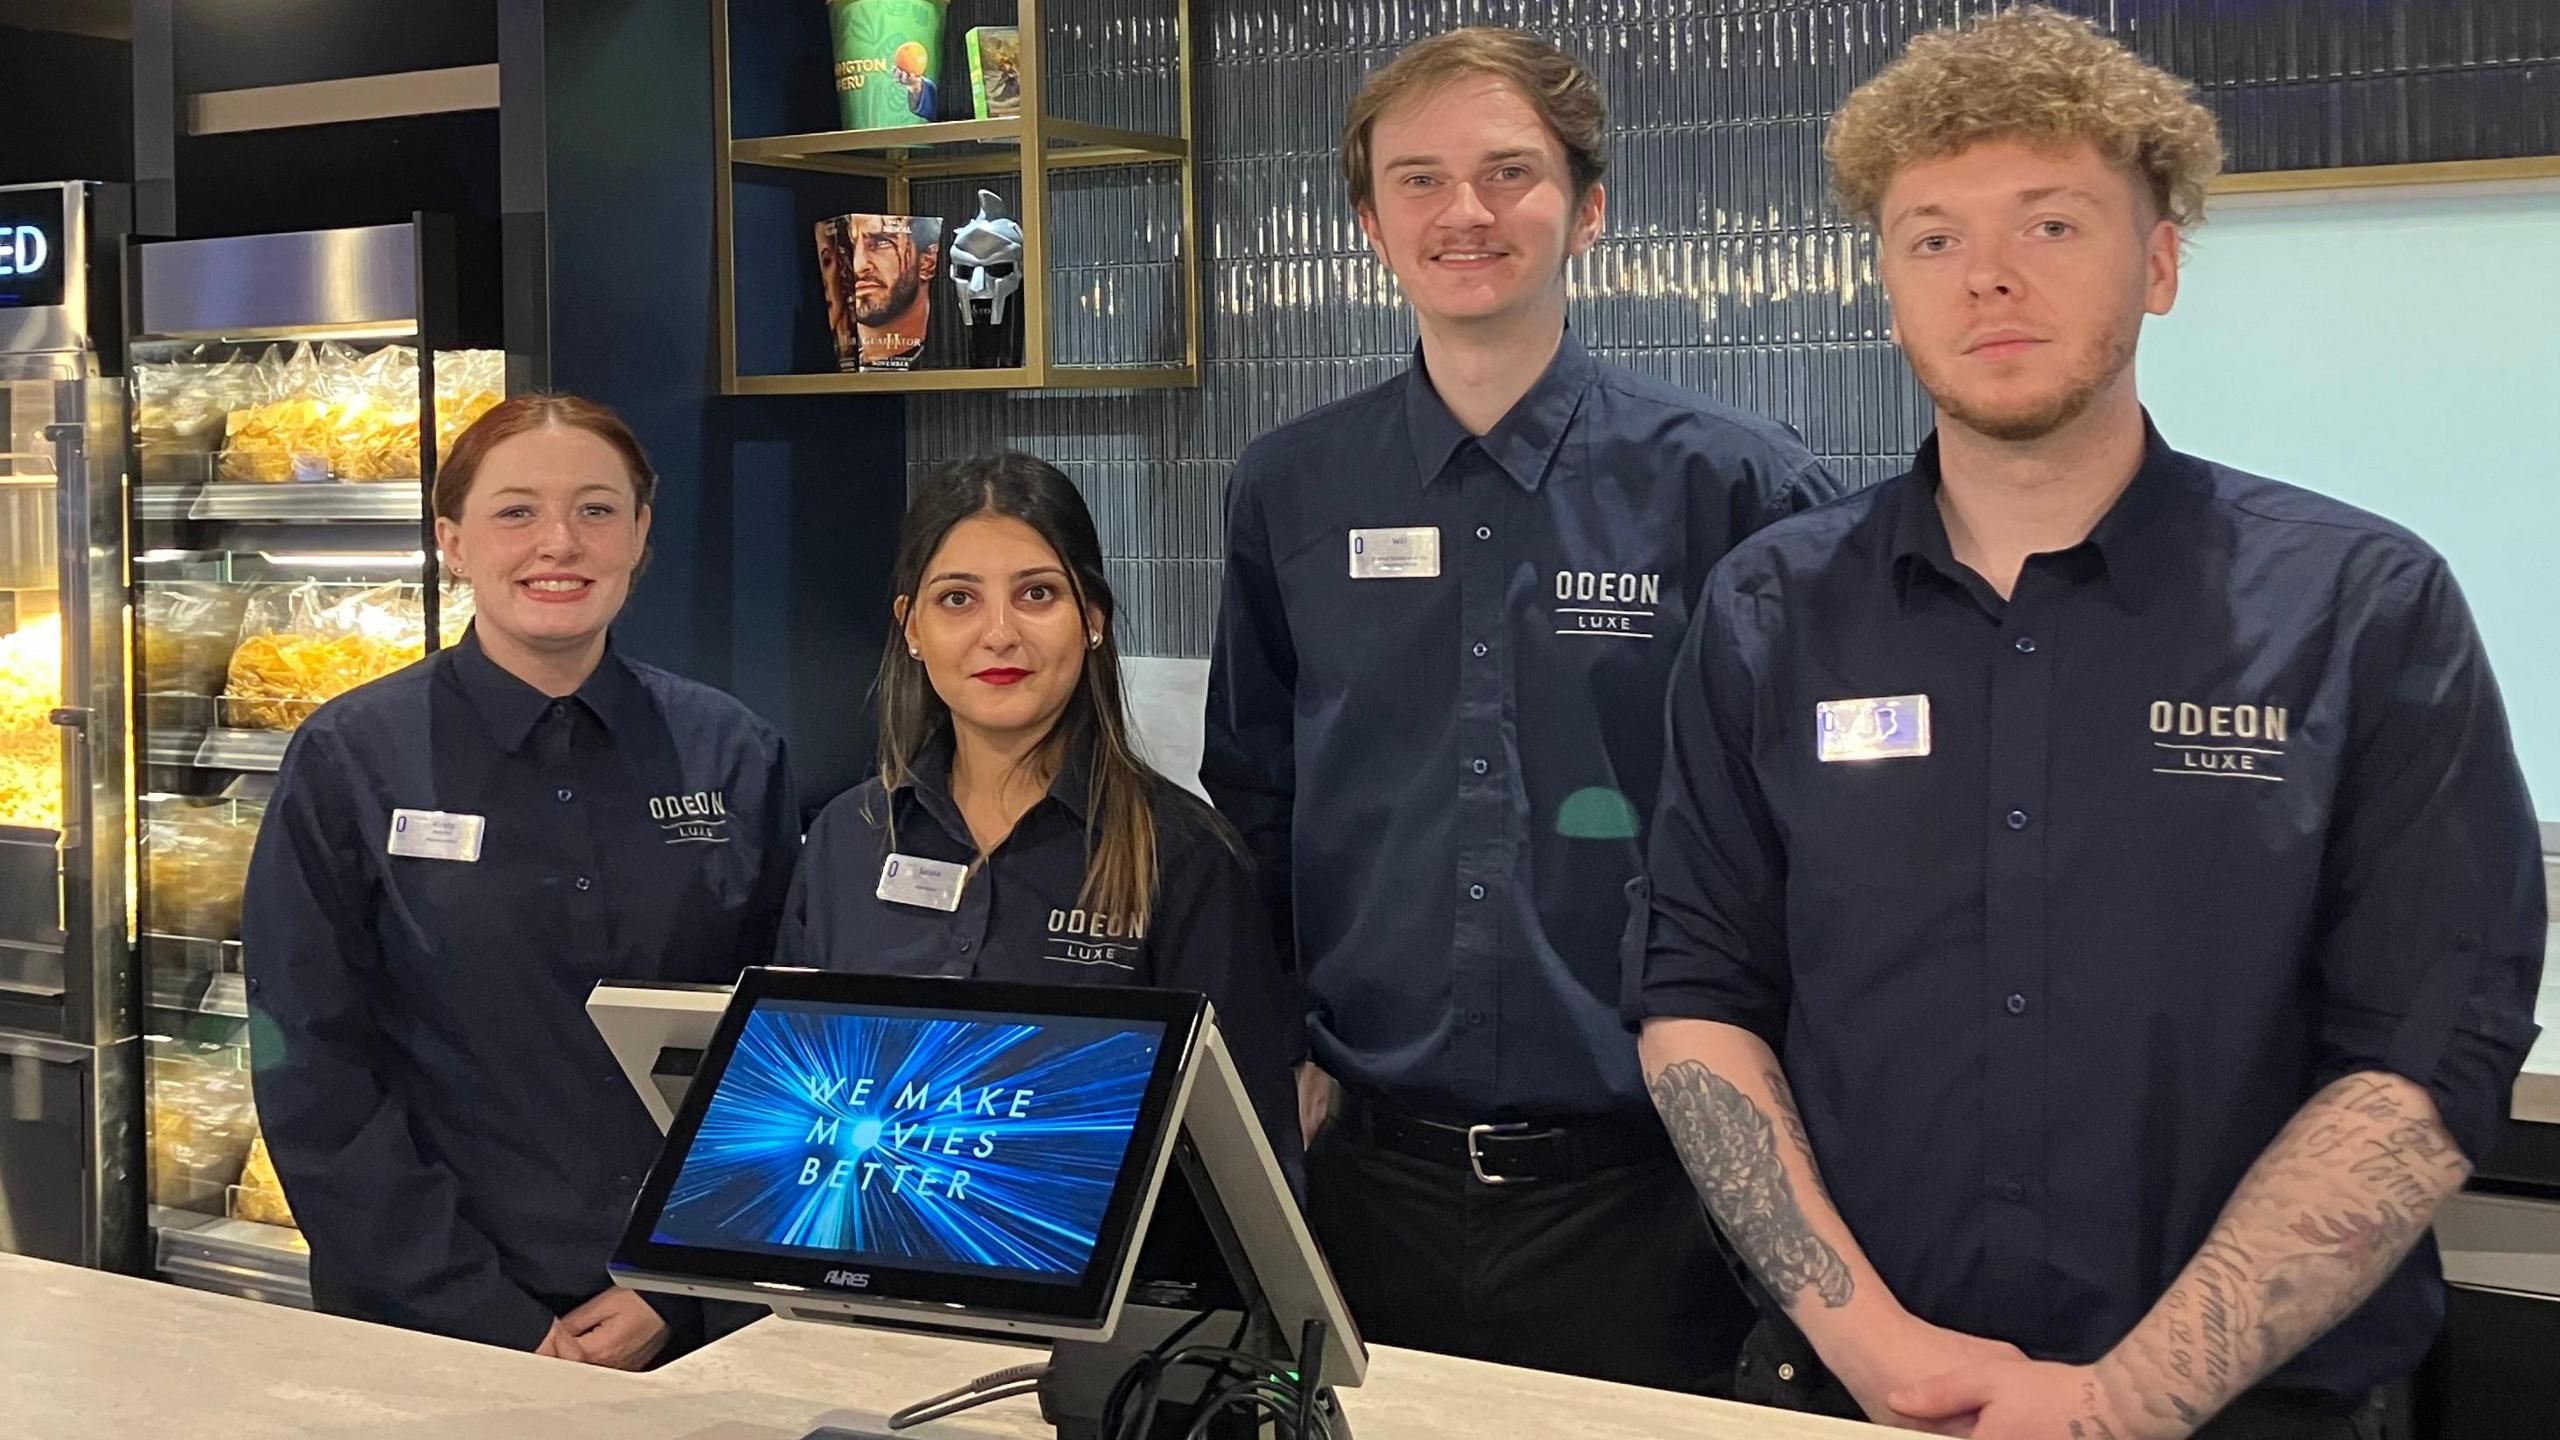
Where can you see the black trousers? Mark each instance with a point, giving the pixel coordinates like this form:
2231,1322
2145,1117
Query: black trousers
1778,1368
1612,1275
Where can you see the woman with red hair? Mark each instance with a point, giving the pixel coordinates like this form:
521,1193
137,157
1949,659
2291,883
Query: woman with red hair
454,855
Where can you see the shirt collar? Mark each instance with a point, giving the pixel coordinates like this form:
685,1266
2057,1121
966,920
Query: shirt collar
2133,543
929,775
511,708
1524,442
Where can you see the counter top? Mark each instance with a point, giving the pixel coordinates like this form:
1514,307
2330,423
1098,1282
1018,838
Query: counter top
89,1354
2537,1095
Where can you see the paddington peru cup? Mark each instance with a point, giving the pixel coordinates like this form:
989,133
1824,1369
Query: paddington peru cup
888,61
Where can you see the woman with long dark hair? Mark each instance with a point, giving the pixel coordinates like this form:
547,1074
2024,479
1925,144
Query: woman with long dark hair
1052,852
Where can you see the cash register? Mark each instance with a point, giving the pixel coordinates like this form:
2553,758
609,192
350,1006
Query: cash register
1074,1166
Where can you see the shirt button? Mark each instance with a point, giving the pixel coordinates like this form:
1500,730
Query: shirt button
1475,892
585,884
1475,1017
1480,767
2013,1192
2017,819
1484,532
2017,1004
1480,649
2026,644
964,947
567,795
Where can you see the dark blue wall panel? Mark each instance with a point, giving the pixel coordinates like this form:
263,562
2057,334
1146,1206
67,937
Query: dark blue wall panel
775,516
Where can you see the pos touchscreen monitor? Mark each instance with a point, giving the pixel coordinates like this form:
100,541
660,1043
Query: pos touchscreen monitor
919,1151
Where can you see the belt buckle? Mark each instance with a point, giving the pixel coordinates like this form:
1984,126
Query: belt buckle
1475,1151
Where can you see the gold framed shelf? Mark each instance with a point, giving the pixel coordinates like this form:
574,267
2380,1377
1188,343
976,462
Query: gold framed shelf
1030,147
957,147
1018,377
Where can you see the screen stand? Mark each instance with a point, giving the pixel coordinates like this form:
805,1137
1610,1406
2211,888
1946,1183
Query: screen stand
1082,1373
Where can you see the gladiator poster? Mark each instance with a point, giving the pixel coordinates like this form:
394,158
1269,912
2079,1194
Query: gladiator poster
878,271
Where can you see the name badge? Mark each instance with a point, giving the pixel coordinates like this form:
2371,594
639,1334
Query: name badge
1408,554
1891,727
933,884
436,835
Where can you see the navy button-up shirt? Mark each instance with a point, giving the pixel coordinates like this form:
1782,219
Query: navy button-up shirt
2218,807
1021,916
1446,778
458,1144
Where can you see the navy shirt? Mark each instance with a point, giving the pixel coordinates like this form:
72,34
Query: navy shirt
1021,919
457,1143
2218,807
1446,778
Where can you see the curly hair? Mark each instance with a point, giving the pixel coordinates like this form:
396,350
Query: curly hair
1558,87
2030,74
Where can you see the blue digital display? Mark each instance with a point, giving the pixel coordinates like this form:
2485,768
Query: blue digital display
985,1145
31,257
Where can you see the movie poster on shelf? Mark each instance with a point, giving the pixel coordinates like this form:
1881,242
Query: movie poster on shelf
878,273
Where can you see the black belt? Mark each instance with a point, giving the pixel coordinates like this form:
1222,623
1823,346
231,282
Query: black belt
1507,1152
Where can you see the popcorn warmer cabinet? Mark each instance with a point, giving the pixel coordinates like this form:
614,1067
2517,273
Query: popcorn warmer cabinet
70,1150
290,396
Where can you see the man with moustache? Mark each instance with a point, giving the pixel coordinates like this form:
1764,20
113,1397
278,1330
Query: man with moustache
2095,907
1435,713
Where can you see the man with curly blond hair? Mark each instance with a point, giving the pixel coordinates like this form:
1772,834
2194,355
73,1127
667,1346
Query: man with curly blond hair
2095,913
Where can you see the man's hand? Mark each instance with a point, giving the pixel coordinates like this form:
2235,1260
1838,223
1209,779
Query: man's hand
617,1329
559,1344
1908,1352
1317,1092
2025,1399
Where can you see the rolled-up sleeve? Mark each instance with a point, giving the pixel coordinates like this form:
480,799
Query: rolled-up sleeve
2432,911
389,1241
1707,938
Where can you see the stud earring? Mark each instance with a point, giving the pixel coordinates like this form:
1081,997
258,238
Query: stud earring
914,654
1093,640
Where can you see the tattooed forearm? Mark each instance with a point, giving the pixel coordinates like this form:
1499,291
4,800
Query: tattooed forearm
2320,1221
1731,1151
1783,1097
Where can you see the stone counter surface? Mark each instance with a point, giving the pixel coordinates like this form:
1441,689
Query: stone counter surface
85,1354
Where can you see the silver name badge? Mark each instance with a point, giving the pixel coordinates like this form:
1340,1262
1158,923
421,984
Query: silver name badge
436,835
1412,553
1890,727
933,884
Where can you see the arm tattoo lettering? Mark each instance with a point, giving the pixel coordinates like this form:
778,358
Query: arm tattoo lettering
2331,1207
1731,1151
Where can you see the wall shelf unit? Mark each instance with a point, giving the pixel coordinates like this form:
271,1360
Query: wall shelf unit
1031,151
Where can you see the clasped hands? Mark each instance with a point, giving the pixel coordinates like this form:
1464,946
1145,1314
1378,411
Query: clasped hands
1944,1382
617,1330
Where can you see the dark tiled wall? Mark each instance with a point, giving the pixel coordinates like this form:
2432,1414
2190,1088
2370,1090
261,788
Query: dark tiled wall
1726,268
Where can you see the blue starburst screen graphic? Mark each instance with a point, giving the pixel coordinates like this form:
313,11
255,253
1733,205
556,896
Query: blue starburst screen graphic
983,1145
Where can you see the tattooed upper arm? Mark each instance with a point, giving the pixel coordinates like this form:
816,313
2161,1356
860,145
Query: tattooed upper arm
1730,1147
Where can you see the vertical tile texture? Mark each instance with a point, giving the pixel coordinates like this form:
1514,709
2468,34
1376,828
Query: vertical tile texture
1725,267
